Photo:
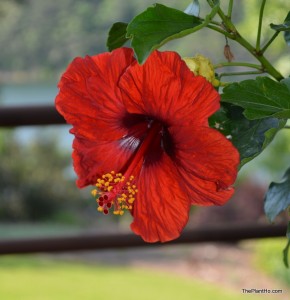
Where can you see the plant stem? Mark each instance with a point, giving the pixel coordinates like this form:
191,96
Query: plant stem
232,33
230,9
215,23
237,64
267,66
240,73
220,30
270,41
258,42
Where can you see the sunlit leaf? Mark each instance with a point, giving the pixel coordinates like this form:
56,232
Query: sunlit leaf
278,197
193,8
159,24
250,137
117,36
261,98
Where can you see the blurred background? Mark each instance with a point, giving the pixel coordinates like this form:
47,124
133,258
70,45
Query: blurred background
38,196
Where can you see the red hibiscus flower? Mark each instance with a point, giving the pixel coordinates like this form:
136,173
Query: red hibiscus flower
142,137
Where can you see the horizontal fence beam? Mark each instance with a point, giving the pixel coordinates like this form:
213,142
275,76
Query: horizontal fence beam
222,233
11,116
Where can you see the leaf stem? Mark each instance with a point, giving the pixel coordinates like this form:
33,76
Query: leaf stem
258,42
238,64
220,30
270,41
239,73
215,23
230,9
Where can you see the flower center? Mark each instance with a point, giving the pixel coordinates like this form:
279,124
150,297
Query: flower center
114,191
118,191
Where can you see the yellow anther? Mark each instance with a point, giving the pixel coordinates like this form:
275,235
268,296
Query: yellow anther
94,192
116,192
131,200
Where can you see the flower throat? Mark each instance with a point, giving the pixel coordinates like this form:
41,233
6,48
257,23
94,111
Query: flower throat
117,191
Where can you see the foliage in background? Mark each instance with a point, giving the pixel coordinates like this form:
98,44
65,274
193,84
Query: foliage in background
37,184
43,36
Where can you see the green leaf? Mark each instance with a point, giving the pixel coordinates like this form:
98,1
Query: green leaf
287,37
278,197
288,231
159,24
261,98
117,36
286,81
250,137
282,27
285,253
286,249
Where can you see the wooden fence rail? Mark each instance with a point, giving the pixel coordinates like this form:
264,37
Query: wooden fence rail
11,116
223,233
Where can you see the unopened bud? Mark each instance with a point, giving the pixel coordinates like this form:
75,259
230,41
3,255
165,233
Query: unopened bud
201,65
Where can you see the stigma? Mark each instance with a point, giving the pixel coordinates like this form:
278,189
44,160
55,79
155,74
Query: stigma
115,192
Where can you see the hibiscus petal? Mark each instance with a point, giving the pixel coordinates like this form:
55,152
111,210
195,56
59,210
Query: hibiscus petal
205,153
94,159
164,88
89,98
202,192
161,209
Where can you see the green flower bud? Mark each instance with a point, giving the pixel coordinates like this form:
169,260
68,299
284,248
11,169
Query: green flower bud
201,65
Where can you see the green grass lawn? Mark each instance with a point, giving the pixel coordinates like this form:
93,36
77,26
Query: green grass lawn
42,278
269,258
